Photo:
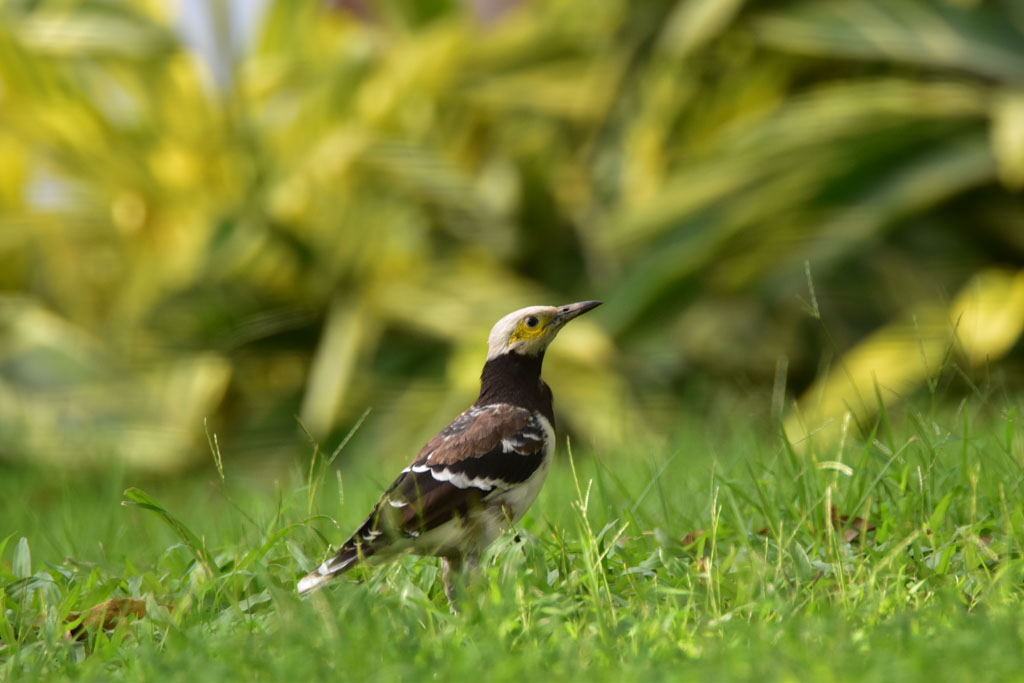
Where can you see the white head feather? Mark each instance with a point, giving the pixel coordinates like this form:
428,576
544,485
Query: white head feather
532,339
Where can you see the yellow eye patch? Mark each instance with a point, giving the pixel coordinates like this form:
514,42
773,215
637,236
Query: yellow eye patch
530,327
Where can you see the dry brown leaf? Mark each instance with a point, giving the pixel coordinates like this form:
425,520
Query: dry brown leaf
106,614
691,538
861,524
852,526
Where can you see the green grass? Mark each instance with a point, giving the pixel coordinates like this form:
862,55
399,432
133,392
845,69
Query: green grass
711,558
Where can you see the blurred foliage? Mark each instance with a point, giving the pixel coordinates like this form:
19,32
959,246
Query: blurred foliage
338,224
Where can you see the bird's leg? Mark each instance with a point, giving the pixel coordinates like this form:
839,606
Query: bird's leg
450,568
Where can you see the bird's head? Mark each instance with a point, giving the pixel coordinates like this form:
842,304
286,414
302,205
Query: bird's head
528,331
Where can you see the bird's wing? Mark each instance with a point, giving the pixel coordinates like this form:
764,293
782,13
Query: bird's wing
484,450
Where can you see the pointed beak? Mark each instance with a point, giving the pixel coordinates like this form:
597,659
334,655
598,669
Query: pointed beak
570,311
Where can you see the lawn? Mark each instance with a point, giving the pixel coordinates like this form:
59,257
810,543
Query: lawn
892,552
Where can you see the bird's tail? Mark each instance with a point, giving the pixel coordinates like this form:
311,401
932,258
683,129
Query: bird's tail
339,563
366,541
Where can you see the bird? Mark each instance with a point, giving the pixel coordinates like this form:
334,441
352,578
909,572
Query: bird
479,474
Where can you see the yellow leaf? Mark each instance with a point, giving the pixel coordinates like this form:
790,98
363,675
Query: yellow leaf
984,321
991,314
1008,139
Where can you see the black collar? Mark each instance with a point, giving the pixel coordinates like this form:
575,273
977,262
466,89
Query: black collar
514,378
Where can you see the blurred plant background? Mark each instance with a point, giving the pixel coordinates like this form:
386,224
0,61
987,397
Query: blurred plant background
811,204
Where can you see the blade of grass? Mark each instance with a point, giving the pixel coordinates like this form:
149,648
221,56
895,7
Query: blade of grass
136,497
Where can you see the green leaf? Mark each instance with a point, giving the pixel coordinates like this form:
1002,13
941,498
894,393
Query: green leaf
3,544
22,564
100,30
695,22
936,518
7,634
300,557
976,39
801,562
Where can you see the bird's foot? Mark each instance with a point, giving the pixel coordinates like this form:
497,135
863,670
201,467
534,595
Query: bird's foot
450,568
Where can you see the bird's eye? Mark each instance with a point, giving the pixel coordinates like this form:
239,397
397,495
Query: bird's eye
532,321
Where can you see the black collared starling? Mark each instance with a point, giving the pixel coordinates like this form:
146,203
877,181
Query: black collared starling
482,471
